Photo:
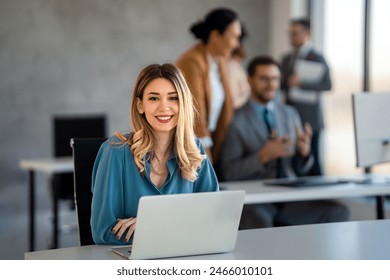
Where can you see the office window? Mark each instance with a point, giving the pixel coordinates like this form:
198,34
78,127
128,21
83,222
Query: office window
380,45
343,49
380,55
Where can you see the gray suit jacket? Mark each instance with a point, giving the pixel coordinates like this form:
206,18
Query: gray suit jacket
311,113
247,135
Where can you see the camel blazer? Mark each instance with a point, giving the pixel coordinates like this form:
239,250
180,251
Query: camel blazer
195,68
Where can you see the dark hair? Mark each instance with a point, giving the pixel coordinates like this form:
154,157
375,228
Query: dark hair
301,21
260,60
244,33
218,19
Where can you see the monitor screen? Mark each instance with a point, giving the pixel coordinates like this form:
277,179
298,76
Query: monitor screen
371,115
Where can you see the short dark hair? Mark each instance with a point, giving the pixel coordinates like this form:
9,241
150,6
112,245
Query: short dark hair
260,60
244,33
217,19
301,21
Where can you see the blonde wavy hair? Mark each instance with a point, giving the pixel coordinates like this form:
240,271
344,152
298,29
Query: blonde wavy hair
142,140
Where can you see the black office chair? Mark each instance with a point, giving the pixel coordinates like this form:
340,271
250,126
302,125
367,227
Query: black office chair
84,154
65,128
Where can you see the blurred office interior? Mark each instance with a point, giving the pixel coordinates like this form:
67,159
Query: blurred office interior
75,57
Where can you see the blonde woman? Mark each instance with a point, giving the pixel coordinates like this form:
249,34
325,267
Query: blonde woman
161,155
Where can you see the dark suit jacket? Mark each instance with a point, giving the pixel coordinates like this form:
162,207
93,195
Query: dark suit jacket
311,113
239,158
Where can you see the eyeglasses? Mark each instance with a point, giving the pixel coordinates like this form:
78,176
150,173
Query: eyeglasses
268,79
294,33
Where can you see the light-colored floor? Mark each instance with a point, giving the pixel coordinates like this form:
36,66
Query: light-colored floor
14,220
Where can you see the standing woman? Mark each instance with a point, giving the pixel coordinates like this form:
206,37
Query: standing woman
161,155
205,69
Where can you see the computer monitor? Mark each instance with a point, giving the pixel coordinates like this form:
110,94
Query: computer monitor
371,115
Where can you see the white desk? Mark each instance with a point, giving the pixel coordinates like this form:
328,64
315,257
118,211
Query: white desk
258,192
359,240
49,167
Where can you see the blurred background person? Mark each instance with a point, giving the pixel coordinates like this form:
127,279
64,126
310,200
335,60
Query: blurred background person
205,68
237,75
304,92
266,140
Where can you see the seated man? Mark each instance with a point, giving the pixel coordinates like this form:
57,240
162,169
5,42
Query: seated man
266,140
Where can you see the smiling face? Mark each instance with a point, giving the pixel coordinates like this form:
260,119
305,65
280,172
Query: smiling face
160,105
264,82
223,44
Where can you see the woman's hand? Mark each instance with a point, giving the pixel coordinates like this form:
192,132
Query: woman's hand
123,225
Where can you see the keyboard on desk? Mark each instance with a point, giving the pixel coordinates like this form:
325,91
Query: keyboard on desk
305,181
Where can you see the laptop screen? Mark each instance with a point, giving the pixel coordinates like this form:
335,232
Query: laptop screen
187,224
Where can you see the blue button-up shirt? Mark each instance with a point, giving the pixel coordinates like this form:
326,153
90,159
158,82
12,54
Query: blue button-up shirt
259,110
117,186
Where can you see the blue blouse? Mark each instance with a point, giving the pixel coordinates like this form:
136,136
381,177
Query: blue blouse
117,186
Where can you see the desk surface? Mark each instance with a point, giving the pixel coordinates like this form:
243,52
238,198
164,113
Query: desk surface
358,240
258,192
48,165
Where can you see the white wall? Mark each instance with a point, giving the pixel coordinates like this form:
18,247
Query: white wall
72,56
281,13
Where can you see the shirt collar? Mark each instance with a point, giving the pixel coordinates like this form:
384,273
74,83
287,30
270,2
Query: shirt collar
305,49
261,107
213,65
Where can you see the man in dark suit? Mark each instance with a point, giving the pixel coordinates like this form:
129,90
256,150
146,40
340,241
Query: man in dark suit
266,140
305,74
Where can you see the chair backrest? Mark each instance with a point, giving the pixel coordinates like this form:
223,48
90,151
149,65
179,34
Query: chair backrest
84,154
66,127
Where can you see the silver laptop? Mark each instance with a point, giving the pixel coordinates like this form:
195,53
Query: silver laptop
185,224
